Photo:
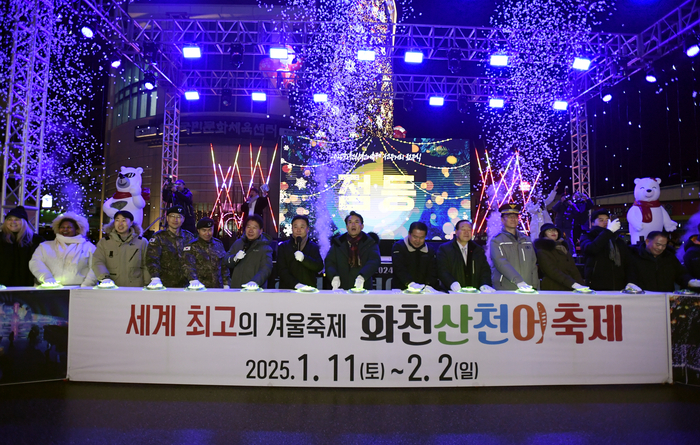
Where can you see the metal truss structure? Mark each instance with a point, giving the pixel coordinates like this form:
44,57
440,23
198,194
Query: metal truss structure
156,44
22,149
580,171
171,141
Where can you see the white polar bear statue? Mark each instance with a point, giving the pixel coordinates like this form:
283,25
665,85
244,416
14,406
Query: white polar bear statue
129,195
646,214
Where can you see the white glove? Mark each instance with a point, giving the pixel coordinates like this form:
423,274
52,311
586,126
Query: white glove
155,282
577,286
265,188
456,287
2,286
614,225
634,287
51,282
360,282
239,256
299,255
299,285
694,283
251,285
226,286
335,283
107,283
195,284
524,286
429,290
415,286
487,289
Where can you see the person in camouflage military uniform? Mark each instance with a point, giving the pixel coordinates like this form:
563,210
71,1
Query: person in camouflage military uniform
204,258
164,254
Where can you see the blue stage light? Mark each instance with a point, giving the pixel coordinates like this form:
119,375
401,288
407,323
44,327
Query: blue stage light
191,95
499,60
496,103
320,97
560,105
191,52
149,81
279,53
116,62
607,97
650,76
581,64
258,97
692,50
436,101
366,55
413,57
87,31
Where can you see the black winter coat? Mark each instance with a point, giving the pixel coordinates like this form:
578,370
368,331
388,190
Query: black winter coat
691,257
413,265
451,267
337,263
558,269
657,274
293,272
14,262
600,271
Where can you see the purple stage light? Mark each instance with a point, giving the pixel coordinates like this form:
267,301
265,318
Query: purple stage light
607,97
366,55
499,60
320,97
258,97
436,101
581,63
413,57
87,31
279,53
192,95
191,52
560,105
496,103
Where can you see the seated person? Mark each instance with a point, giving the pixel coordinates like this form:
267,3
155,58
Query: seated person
17,245
250,257
462,263
354,256
558,268
203,259
120,256
66,260
605,252
654,267
299,259
413,261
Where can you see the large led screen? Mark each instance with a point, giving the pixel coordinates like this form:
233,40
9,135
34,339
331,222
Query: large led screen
390,182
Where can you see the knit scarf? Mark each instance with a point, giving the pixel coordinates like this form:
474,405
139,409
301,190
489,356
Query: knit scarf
646,207
354,258
145,194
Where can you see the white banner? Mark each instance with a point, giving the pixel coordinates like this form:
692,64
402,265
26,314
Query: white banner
378,339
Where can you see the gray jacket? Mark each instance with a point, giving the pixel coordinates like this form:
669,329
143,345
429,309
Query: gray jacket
514,260
124,262
255,266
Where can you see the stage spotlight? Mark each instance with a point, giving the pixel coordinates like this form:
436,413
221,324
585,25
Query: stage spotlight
115,60
693,50
88,30
581,63
236,52
413,56
560,105
408,100
226,97
607,97
191,52
258,97
462,104
320,97
366,55
436,101
149,81
499,60
650,76
496,103
192,95
454,60
279,53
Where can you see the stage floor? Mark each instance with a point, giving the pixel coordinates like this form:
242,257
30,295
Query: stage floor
97,413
